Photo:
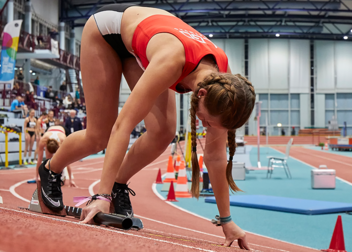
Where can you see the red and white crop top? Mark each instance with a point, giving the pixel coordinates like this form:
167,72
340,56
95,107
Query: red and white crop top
195,44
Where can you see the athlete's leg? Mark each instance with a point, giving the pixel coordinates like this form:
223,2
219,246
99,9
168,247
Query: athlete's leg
31,142
26,146
101,74
160,124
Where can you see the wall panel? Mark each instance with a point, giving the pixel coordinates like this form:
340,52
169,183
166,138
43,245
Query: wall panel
299,66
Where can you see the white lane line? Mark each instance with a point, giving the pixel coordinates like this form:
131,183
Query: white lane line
4,190
186,237
322,157
91,192
347,182
13,187
90,188
84,172
184,210
159,162
108,230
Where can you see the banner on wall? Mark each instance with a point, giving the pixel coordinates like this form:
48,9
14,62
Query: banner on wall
10,39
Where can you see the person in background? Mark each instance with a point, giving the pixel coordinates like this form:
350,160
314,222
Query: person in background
52,141
30,129
41,128
20,76
77,105
18,105
78,93
53,33
84,108
68,102
36,81
16,89
50,93
73,123
293,132
29,100
63,87
50,120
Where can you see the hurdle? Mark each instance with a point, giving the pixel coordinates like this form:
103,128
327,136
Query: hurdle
6,130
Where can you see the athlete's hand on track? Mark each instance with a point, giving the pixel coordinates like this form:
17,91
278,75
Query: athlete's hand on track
92,209
233,232
72,184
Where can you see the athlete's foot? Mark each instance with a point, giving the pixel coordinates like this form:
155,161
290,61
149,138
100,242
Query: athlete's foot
34,161
121,199
50,187
25,163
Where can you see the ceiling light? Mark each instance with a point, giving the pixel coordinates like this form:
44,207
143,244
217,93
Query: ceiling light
210,35
30,71
277,35
345,37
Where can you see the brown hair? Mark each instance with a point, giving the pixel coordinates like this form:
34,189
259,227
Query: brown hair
232,98
52,145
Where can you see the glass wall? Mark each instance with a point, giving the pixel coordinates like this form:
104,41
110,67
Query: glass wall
280,109
339,104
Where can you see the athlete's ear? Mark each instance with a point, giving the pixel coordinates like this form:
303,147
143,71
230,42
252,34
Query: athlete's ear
202,92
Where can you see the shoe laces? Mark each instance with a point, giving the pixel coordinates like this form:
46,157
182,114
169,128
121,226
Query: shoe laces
54,183
122,195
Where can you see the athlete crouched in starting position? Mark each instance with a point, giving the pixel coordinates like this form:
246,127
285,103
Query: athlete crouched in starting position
51,141
158,54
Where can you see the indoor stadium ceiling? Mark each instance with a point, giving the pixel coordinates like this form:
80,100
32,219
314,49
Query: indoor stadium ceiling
304,19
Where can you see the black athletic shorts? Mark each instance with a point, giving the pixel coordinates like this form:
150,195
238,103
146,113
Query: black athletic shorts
108,20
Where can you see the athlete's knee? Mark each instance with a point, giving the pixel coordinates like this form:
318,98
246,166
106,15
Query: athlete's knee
97,142
164,137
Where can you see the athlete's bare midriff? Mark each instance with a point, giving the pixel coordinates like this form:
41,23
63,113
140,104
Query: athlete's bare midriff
131,19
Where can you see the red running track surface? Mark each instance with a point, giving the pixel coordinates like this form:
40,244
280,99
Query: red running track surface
166,228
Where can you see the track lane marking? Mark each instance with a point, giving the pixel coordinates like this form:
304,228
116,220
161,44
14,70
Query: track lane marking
184,210
91,192
106,229
13,187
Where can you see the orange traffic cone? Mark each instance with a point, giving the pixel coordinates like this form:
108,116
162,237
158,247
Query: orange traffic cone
326,146
158,178
171,194
201,167
170,175
178,162
337,243
182,184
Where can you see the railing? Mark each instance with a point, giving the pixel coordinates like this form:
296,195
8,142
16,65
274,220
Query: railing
31,42
8,94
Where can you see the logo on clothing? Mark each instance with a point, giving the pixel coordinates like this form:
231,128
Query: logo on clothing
195,36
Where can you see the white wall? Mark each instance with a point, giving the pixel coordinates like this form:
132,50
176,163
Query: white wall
47,10
279,65
333,64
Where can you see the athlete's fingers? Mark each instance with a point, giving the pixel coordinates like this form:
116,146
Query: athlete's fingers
89,218
228,243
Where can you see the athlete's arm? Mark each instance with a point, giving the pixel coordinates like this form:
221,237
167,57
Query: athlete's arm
25,125
69,171
215,160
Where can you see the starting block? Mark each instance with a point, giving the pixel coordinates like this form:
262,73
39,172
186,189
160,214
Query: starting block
114,220
37,205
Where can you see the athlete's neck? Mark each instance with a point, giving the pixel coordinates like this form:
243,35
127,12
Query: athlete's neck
205,68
